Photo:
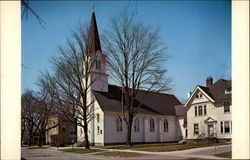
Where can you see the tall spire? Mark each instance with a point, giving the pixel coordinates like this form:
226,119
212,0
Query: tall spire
94,39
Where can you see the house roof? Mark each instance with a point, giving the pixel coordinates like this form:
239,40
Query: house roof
152,102
180,110
216,91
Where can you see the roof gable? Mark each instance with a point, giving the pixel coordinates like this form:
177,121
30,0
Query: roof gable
210,120
203,91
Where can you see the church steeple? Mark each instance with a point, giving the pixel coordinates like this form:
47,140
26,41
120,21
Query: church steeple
94,39
99,78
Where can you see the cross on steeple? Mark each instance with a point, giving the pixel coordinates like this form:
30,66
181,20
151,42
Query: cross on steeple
93,8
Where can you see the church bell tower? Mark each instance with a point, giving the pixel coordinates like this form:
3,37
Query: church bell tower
99,77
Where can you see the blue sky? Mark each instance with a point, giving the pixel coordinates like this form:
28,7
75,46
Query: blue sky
196,33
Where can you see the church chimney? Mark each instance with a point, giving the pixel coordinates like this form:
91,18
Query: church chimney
209,81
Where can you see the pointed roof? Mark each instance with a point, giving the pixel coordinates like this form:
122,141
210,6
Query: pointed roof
94,39
210,120
216,92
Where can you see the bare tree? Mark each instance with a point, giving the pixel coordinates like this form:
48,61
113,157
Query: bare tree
71,81
136,58
36,108
28,114
44,109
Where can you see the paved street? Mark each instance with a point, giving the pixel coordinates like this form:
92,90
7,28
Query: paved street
197,153
45,154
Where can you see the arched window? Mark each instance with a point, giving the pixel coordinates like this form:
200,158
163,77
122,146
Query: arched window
98,117
97,63
152,125
136,125
165,125
119,124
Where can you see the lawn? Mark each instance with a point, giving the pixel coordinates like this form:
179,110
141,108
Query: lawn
119,154
160,147
176,147
224,155
80,150
135,146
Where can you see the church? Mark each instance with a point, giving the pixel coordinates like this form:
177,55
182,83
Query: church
161,119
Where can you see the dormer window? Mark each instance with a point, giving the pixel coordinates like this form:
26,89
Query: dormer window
228,91
199,95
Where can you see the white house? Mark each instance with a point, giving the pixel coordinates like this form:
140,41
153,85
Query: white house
156,120
209,110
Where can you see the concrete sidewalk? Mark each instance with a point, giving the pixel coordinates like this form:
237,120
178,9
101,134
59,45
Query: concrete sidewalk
204,152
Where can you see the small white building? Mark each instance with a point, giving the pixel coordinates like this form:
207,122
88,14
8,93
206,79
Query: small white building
156,120
209,110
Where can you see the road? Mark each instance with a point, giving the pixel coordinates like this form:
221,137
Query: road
45,154
196,153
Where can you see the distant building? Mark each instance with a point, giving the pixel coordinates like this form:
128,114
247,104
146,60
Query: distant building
209,110
64,133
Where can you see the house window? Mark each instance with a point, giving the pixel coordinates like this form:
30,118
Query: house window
63,129
226,127
197,96
98,117
98,129
226,107
205,110
200,95
165,125
152,125
221,127
196,129
136,126
195,111
200,110
119,124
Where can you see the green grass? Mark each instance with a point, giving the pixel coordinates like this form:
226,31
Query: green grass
176,147
160,147
119,154
135,146
224,155
80,150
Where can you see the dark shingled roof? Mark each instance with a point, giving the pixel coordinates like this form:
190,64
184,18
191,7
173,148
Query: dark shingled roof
152,102
217,91
180,110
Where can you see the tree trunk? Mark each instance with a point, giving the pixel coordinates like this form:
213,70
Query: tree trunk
40,140
30,139
87,145
129,134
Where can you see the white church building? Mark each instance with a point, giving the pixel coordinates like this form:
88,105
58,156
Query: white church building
156,120
161,118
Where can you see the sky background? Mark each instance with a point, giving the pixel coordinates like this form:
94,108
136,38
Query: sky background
197,35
